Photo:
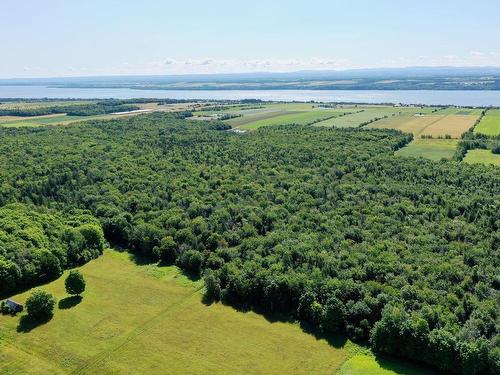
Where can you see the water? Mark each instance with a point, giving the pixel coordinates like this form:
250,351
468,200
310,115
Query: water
428,97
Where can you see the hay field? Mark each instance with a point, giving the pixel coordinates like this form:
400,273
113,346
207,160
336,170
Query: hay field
490,124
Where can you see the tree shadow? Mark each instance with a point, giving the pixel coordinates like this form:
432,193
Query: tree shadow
141,260
403,366
69,302
27,323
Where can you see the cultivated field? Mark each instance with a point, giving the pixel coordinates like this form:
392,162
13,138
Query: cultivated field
434,149
490,124
430,124
482,157
139,318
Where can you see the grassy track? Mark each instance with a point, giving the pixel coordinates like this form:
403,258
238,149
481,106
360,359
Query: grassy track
490,124
482,157
434,149
140,318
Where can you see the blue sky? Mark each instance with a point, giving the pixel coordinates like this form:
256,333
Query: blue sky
79,38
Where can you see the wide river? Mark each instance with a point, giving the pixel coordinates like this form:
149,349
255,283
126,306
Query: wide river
429,97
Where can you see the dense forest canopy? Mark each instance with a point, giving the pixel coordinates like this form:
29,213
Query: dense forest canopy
322,224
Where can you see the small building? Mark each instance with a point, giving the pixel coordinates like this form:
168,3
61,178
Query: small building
14,306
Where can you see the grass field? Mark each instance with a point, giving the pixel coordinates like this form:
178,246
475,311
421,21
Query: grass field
431,124
368,113
434,149
490,124
460,111
482,157
140,318
299,118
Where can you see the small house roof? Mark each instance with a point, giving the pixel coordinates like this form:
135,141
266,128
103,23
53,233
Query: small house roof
12,303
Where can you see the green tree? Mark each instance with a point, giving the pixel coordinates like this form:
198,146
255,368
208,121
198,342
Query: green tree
40,304
75,283
166,251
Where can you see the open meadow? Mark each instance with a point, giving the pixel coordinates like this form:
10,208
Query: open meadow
482,157
140,318
434,149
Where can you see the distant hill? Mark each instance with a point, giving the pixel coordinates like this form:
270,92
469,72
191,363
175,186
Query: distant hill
410,78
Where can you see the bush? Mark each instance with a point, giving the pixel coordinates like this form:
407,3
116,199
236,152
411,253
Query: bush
40,304
75,283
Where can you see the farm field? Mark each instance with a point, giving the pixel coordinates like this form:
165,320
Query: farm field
362,115
490,124
434,149
129,306
436,125
482,157
299,118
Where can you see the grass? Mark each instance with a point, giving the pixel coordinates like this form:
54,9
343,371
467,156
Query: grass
460,111
482,157
299,118
363,364
364,114
434,149
140,318
490,124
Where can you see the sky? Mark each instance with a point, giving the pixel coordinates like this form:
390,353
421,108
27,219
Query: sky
56,38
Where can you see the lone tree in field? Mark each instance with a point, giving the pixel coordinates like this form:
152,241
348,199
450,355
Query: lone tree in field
40,304
75,283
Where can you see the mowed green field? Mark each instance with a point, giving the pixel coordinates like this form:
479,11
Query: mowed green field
298,118
434,149
139,318
362,115
482,157
490,124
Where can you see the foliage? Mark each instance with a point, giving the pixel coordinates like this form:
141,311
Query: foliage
36,244
40,304
323,224
90,109
74,283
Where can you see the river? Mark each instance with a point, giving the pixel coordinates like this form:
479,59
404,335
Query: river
428,97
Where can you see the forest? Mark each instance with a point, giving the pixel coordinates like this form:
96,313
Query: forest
321,224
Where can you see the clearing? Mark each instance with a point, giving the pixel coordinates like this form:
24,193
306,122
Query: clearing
140,318
482,157
434,149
